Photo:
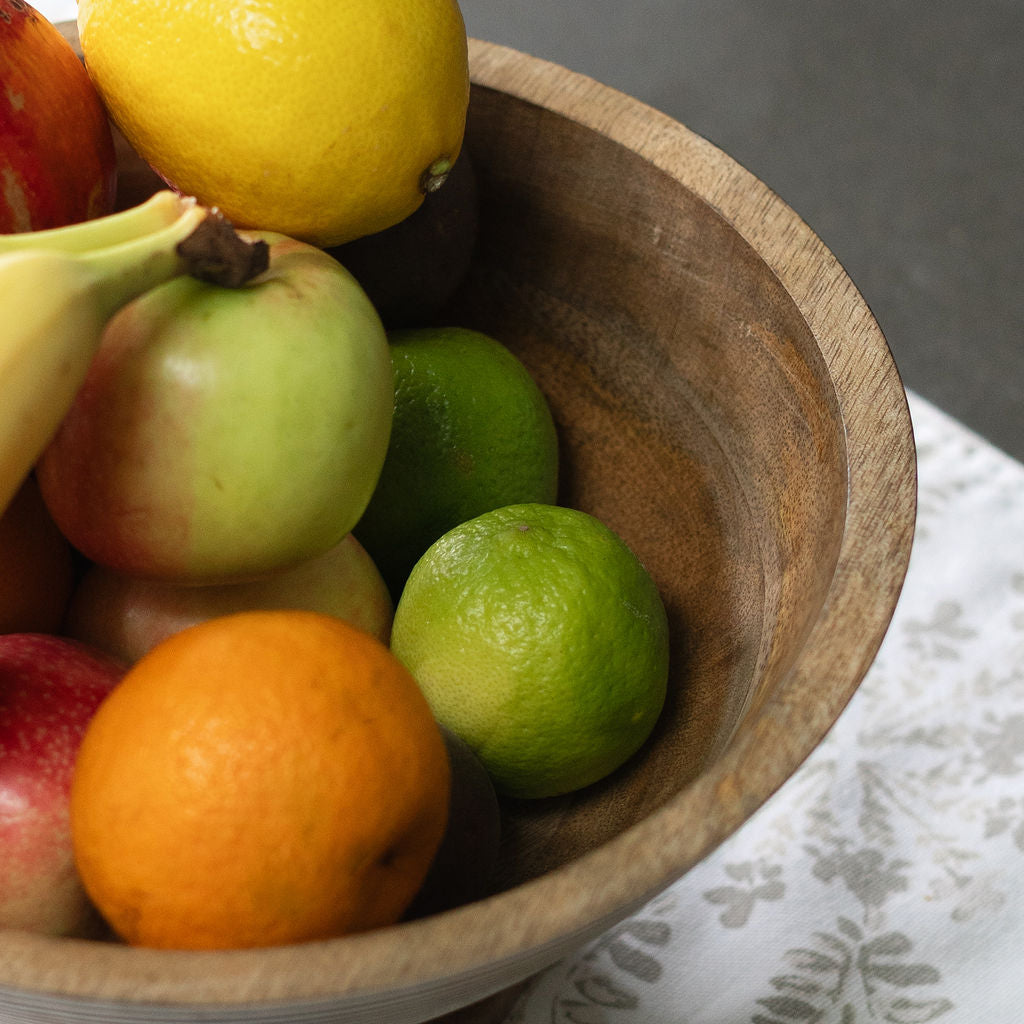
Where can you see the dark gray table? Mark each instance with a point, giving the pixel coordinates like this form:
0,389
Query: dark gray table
894,128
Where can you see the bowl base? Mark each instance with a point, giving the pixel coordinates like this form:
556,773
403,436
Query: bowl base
492,1010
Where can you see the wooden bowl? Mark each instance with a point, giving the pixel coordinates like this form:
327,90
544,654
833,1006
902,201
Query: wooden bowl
728,404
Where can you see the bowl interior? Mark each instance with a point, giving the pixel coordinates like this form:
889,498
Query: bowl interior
697,419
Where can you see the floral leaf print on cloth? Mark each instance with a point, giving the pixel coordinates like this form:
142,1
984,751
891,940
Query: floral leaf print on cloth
752,882
883,882
615,967
846,970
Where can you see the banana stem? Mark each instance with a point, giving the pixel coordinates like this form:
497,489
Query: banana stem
60,301
129,269
199,242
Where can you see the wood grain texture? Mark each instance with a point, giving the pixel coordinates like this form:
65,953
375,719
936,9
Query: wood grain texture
727,403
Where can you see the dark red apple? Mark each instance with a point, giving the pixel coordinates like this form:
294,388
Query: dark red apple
413,268
50,687
57,160
464,865
36,566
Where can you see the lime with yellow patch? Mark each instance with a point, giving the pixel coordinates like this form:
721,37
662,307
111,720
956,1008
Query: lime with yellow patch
537,636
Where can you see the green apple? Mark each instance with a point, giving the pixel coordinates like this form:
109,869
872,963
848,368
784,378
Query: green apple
225,433
126,616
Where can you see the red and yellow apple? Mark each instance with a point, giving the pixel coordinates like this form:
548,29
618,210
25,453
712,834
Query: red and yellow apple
224,433
50,687
57,162
126,616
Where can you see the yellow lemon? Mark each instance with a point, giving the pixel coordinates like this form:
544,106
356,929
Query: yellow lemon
325,120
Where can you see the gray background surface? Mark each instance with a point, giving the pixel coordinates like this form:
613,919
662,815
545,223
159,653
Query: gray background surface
893,127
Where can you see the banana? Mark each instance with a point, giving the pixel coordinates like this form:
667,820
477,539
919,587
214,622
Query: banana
59,288
158,211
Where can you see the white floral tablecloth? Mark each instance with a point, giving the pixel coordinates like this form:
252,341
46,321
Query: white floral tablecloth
885,881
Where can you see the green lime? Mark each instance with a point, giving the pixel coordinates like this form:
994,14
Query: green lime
539,638
471,432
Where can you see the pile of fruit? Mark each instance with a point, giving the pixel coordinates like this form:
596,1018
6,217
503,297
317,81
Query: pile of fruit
288,606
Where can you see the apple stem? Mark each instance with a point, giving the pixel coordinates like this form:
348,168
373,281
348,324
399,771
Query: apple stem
216,253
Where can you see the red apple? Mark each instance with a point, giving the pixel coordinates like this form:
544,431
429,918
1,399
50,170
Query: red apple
57,162
50,687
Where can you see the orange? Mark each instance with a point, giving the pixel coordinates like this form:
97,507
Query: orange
35,565
262,778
